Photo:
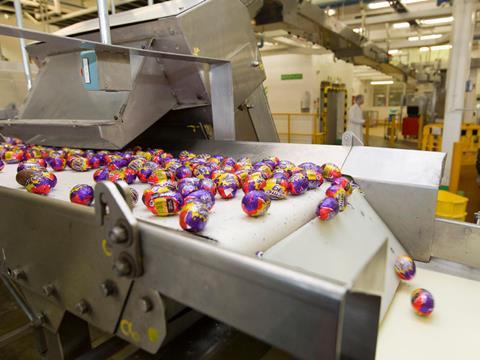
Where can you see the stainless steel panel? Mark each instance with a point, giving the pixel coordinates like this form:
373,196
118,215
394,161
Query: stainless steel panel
401,185
60,250
222,102
261,117
141,14
59,94
211,30
251,295
143,321
150,98
457,241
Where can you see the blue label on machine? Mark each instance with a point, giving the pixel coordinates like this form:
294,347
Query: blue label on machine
89,70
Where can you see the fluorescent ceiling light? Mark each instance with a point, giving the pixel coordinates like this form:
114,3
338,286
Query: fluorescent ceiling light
425,37
381,82
401,25
394,51
436,21
441,47
424,48
331,12
378,5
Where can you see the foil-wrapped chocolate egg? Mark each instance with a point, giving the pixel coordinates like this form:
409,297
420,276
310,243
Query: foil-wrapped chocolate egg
28,165
82,194
242,175
255,203
79,163
315,179
13,156
94,162
310,166
422,302
117,163
227,186
265,170
254,181
338,193
216,175
57,163
144,173
405,267
129,175
345,183
166,184
187,188
280,174
202,172
23,176
165,203
298,184
39,183
193,217
136,164
183,172
2,165
116,175
286,165
331,171
208,185
159,175
202,196
229,161
276,189
327,209
51,176
100,174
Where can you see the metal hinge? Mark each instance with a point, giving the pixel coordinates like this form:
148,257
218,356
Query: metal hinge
120,227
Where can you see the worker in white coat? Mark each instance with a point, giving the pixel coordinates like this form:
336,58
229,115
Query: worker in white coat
355,118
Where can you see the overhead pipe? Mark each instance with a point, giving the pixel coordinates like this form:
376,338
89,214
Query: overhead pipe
23,50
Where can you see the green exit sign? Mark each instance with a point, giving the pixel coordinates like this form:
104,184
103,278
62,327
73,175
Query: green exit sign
292,76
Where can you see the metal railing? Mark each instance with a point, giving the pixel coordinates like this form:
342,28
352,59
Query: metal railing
299,128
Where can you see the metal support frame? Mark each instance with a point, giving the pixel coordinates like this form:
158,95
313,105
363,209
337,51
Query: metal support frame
463,27
25,61
103,21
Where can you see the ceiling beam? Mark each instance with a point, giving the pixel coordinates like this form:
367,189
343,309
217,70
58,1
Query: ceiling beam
397,17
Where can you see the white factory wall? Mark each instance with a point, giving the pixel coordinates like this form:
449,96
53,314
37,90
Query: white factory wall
286,95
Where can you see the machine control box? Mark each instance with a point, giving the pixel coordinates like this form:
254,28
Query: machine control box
105,71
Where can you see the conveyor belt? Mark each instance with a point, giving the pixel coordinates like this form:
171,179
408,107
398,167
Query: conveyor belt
228,225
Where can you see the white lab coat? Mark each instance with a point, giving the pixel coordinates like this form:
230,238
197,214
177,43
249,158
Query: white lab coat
355,121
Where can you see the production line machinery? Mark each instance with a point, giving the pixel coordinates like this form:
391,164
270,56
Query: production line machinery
320,290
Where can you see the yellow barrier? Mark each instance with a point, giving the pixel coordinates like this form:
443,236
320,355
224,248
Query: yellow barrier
470,140
299,125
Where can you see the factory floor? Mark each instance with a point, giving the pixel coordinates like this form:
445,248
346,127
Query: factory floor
376,138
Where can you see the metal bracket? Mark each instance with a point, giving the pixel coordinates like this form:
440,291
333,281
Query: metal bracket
350,139
120,227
